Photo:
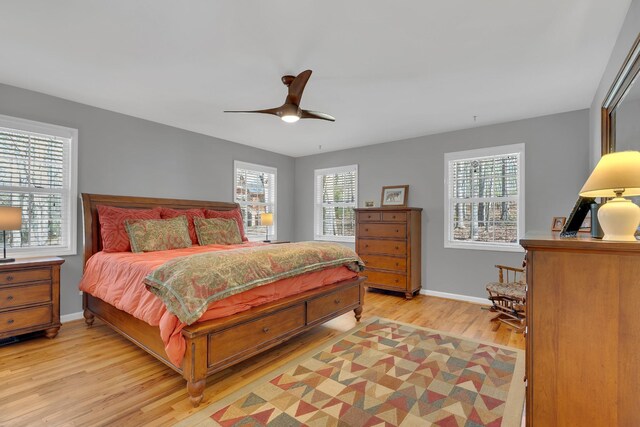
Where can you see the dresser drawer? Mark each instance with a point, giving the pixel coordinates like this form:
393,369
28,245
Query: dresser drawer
386,279
394,216
22,276
252,335
385,262
398,231
324,306
368,216
15,296
25,318
370,246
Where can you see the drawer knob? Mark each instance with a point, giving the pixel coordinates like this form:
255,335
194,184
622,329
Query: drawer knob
397,231
397,280
265,329
394,217
337,300
369,216
10,297
397,248
9,278
366,246
366,229
10,321
397,264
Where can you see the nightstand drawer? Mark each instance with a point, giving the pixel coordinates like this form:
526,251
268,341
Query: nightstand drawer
15,296
26,318
23,276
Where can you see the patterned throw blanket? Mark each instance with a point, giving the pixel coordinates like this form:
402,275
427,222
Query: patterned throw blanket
187,285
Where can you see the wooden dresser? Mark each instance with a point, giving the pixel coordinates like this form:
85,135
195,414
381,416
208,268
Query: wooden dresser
583,332
30,296
389,242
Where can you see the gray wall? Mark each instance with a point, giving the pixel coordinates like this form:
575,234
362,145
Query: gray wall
628,33
557,156
123,155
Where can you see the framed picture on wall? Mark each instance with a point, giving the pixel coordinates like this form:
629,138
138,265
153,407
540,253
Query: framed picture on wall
395,195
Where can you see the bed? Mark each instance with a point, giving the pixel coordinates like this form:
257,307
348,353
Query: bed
213,345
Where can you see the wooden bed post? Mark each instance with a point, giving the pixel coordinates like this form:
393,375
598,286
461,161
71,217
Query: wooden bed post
194,368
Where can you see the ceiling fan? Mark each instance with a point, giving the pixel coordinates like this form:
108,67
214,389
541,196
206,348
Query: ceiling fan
290,111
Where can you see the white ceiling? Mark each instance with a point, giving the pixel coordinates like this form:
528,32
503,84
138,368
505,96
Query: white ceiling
386,70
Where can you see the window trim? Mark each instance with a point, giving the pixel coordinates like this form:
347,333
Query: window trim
46,129
475,154
239,164
317,212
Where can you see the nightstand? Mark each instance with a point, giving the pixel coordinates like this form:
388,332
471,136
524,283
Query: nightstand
30,296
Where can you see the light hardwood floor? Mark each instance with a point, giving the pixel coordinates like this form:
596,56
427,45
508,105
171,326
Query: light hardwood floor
92,376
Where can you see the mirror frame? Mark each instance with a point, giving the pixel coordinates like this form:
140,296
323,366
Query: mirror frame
616,94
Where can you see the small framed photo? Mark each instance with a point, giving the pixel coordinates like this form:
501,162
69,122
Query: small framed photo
395,195
558,223
368,204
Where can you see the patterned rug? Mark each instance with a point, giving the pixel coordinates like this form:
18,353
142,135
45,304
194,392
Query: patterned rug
383,373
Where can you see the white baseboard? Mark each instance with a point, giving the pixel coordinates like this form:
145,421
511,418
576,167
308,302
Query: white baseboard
458,297
69,317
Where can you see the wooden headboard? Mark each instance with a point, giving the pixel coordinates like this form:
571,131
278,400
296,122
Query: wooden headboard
92,238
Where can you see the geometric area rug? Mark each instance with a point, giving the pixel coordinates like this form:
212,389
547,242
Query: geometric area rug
383,373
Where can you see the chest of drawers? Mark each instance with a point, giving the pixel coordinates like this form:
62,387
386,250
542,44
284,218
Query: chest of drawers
389,242
30,296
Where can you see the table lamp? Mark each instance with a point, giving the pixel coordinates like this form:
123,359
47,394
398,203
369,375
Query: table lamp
10,219
266,219
615,175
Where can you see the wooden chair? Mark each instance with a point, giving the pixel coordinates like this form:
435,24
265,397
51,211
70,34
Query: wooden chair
509,297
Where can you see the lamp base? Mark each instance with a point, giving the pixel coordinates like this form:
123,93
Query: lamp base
7,259
619,219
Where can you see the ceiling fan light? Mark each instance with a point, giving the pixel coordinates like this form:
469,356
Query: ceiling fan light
290,118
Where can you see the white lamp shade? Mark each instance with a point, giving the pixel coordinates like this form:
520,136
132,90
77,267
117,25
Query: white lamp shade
614,172
266,219
10,218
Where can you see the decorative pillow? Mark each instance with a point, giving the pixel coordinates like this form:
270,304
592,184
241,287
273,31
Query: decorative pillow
149,235
114,236
217,231
166,213
232,214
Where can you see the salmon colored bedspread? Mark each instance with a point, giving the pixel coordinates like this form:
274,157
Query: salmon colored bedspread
117,278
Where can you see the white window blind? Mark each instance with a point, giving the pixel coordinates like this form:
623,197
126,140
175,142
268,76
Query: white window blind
484,198
38,174
255,191
336,195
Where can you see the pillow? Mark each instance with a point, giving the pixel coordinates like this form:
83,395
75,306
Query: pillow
166,213
114,236
149,235
232,214
217,231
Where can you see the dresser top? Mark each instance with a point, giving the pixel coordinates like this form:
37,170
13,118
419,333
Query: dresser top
581,242
387,208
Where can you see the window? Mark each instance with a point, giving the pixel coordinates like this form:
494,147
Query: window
38,172
255,191
336,195
484,198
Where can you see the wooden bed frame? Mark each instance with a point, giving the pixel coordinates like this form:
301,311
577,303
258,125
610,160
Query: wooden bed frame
216,344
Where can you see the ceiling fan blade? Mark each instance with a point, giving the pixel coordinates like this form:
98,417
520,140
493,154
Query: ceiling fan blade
297,87
273,111
306,114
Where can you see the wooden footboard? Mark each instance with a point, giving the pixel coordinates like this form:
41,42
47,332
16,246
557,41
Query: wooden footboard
217,344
